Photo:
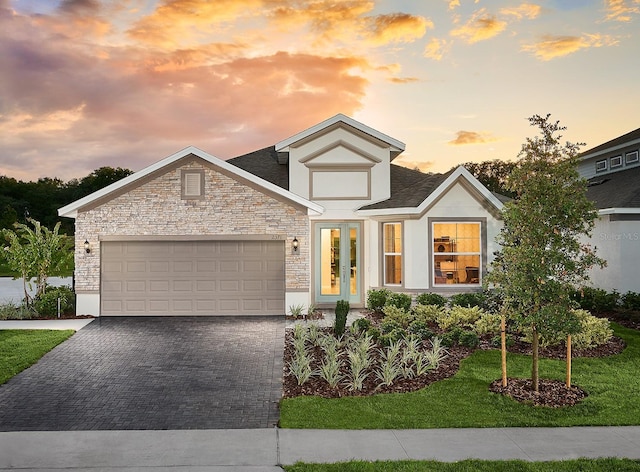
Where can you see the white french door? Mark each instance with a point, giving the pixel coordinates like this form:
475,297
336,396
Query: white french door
337,262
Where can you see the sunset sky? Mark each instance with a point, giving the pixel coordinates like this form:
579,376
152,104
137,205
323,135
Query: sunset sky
125,83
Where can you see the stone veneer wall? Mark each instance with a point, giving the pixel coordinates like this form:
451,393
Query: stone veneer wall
156,208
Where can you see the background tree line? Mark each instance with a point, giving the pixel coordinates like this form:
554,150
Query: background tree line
40,200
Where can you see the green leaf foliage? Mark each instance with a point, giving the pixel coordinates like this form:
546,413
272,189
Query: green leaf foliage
543,256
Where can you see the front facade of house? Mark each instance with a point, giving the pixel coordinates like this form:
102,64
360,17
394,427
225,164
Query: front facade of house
321,216
613,173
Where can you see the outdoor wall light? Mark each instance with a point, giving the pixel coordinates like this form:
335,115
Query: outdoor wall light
295,244
87,247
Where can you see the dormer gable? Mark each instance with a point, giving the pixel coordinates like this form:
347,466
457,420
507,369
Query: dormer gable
341,162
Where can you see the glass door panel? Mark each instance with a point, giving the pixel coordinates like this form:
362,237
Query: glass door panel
337,260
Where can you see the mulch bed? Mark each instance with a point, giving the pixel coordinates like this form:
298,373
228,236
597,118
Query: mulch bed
551,393
319,387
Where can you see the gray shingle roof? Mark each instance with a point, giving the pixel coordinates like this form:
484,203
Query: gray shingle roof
620,140
616,190
409,187
264,164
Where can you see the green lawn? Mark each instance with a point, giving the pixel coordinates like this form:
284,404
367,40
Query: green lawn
577,465
464,401
21,348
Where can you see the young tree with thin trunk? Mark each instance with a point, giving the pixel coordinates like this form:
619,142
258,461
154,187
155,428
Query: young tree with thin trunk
542,256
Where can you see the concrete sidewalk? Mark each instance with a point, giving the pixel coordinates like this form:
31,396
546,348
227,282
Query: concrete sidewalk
261,450
75,325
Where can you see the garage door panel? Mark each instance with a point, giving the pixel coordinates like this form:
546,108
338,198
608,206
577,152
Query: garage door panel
187,277
159,267
161,286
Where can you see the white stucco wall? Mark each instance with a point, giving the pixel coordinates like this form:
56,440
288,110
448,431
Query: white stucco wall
342,151
618,242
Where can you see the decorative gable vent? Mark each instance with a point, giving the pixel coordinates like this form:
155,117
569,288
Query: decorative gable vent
192,184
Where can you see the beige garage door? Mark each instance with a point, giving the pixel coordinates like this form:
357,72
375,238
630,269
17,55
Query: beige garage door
192,277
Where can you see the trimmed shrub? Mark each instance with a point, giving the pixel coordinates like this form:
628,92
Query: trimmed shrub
431,299
392,336
594,331
399,315
46,304
469,339
488,323
462,317
389,325
342,310
362,325
596,300
467,300
399,300
376,299
496,341
374,333
631,301
428,313
420,329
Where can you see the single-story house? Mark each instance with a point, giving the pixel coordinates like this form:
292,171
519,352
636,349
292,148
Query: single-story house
613,173
321,216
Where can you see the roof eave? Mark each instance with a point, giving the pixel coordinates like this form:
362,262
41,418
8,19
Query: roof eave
72,209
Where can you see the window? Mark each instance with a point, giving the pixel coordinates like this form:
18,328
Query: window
616,161
601,165
456,253
392,260
631,157
192,184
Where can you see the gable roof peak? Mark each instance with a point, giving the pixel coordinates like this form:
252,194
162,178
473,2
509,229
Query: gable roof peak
395,145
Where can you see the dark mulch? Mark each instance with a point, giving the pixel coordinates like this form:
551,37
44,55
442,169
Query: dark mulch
319,387
551,393
615,346
64,316
628,319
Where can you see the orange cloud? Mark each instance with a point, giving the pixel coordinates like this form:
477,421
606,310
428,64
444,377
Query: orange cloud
396,27
480,26
471,137
557,46
525,10
176,22
404,80
436,48
621,10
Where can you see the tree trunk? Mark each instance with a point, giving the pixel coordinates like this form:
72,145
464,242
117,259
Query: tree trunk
534,357
503,342
568,382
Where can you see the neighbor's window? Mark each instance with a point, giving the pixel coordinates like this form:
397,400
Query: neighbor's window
616,161
631,157
392,260
601,165
192,184
456,253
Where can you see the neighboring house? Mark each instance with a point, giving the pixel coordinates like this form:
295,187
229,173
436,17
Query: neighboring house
613,173
321,216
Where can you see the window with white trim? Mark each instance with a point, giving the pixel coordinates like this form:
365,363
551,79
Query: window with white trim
631,157
392,253
616,161
601,165
457,253
192,184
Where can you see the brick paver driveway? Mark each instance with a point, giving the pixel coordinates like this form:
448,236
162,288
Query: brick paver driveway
153,373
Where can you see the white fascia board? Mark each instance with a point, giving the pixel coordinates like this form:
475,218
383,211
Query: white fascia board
397,146
590,155
71,210
459,173
619,211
